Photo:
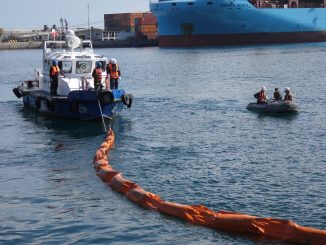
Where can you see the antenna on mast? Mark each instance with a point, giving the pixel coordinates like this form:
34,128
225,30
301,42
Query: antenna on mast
89,28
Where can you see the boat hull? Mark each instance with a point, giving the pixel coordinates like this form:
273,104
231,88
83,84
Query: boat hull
81,105
274,107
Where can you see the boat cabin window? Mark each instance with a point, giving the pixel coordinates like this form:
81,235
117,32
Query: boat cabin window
83,57
65,66
83,67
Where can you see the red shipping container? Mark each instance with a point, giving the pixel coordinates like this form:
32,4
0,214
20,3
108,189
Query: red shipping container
149,28
148,20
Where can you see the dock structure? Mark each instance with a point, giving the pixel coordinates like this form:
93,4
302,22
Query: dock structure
120,30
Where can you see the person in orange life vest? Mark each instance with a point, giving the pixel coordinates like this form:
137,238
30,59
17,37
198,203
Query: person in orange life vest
113,71
288,95
261,96
277,95
97,75
54,74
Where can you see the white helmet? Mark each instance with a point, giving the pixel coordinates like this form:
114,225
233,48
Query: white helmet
113,61
287,89
263,88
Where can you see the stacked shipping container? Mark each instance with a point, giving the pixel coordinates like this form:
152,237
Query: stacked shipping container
121,22
147,26
142,24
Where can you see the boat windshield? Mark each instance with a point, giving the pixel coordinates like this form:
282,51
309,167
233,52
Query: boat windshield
83,67
65,66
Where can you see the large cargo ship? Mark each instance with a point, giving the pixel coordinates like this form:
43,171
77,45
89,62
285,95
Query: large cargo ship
239,22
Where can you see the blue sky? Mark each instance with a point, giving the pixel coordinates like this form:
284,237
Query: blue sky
34,14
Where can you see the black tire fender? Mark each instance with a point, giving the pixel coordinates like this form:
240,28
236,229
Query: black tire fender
106,97
127,99
17,93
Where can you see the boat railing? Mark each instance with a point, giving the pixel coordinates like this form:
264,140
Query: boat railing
84,84
61,46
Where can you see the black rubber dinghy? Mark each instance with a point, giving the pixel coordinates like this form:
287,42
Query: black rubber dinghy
273,107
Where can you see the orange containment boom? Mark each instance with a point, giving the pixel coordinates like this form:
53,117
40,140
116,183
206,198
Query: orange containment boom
270,228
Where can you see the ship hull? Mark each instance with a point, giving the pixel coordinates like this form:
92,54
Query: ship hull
236,22
240,39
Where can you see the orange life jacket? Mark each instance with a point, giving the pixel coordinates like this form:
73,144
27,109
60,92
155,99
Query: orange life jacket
98,74
288,96
262,96
114,71
55,70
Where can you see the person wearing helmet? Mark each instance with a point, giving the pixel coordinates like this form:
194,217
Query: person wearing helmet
54,75
97,75
261,96
277,95
113,73
288,96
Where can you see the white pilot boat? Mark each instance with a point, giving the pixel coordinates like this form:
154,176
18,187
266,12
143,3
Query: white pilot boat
76,97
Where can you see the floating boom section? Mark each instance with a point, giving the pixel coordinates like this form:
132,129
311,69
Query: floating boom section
269,228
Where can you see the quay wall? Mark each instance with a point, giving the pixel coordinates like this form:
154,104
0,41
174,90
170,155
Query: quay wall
96,44
20,45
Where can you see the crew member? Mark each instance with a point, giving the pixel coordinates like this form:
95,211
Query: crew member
54,74
261,96
113,71
97,75
288,95
277,95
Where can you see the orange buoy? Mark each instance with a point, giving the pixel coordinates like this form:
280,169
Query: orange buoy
278,229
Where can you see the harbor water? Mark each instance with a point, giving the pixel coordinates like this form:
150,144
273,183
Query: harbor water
188,138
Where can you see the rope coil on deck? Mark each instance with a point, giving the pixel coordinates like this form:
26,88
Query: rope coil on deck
271,228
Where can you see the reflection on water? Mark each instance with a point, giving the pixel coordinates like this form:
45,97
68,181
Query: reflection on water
279,116
74,128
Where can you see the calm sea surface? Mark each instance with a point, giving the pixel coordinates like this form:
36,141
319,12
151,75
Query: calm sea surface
188,138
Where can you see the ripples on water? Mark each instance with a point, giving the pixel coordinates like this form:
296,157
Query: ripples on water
188,138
